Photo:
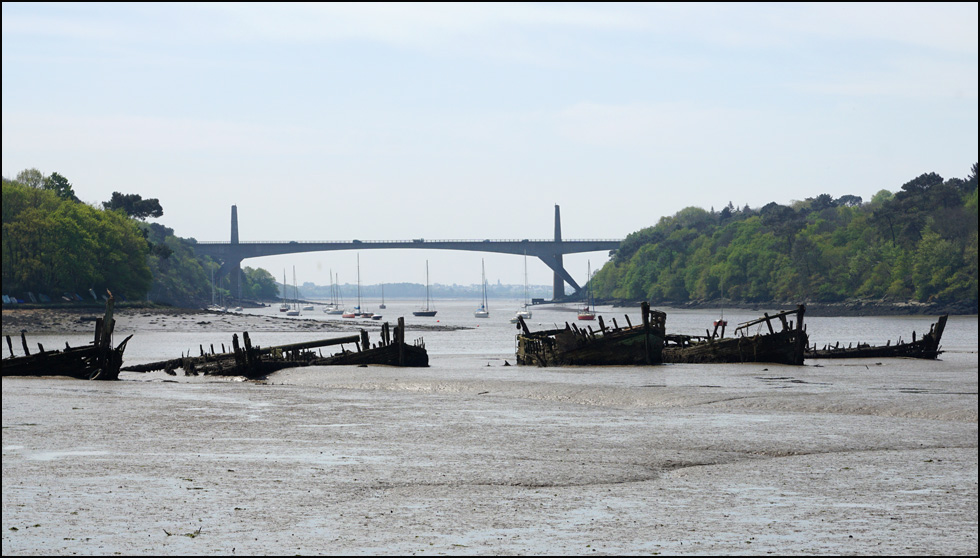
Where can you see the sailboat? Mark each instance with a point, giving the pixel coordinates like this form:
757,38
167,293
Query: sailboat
483,311
523,312
382,305
214,306
426,310
357,313
335,307
283,307
588,313
294,310
241,278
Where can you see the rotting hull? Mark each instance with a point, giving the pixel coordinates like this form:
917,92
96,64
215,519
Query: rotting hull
927,347
634,345
785,346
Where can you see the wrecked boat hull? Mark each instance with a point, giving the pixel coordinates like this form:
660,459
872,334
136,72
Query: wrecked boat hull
633,345
785,346
96,361
927,347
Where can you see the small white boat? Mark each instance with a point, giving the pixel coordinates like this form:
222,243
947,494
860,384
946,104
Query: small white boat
335,308
284,306
294,308
483,311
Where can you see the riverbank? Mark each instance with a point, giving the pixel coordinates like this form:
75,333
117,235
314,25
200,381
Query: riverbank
157,318
823,309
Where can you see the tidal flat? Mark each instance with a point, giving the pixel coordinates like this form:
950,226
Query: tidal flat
472,456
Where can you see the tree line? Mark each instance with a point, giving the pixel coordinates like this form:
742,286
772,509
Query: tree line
57,246
919,243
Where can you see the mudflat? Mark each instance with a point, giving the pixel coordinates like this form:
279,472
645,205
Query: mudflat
471,457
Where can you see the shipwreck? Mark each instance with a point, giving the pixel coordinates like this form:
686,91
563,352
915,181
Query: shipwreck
785,345
95,361
630,345
925,347
253,361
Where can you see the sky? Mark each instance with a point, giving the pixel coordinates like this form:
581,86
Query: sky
471,121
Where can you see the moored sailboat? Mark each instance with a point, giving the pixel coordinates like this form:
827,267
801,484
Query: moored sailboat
294,309
588,313
484,310
426,311
524,313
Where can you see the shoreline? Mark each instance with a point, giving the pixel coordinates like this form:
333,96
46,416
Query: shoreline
853,308
129,318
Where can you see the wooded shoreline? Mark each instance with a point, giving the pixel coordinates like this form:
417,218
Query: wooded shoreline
822,309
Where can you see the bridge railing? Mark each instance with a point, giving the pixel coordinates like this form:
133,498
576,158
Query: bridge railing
411,242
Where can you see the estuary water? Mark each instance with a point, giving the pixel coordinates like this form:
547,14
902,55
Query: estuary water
475,456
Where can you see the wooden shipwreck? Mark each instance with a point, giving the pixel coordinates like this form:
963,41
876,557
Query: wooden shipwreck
96,361
786,345
925,347
252,361
630,345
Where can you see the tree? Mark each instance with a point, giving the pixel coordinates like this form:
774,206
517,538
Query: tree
60,186
134,205
31,178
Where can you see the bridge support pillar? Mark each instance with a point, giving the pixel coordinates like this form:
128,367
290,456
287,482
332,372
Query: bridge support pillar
558,283
234,267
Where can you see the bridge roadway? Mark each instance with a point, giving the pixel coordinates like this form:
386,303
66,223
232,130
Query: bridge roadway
550,252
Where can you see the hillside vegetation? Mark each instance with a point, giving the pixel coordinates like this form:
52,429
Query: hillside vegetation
917,244
59,248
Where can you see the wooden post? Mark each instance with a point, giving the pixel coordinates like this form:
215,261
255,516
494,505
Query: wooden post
10,346
365,342
400,339
23,341
645,308
602,325
768,322
239,357
249,355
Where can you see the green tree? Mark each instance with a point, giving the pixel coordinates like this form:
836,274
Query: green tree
134,205
60,186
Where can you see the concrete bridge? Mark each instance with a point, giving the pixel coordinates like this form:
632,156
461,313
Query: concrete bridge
231,254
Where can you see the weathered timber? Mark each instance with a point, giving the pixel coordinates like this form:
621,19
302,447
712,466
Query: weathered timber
927,347
256,362
97,361
633,345
786,346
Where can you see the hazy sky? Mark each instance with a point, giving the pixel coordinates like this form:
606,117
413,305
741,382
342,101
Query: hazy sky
471,121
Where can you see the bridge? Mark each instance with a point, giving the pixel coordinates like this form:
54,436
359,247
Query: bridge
230,254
